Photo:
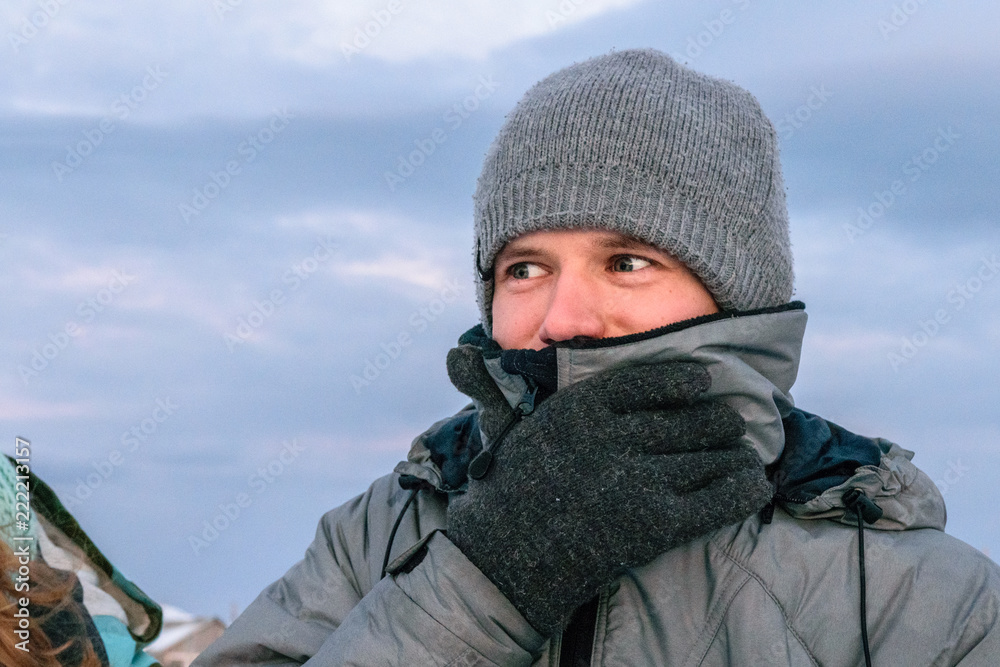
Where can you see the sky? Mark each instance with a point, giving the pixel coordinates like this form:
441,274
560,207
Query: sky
218,220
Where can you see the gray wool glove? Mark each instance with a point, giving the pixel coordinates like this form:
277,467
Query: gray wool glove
604,475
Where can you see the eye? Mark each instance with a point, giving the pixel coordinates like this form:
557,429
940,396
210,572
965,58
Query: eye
625,263
524,270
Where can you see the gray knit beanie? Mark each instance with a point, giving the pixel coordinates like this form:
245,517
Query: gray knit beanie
636,143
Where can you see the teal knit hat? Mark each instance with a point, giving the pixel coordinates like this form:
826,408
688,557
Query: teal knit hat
636,143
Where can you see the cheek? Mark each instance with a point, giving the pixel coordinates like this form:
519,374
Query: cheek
686,301
695,300
660,305
516,320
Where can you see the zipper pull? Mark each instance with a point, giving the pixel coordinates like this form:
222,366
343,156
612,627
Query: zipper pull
480,466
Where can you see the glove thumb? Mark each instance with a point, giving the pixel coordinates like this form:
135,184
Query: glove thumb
467,371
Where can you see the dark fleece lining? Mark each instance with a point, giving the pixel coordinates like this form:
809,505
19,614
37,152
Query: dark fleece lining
537,366
818,455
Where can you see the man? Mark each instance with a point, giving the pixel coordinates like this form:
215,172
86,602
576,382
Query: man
633,485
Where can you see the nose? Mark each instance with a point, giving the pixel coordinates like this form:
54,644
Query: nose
574,310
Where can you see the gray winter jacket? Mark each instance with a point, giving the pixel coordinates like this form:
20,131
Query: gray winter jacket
777,589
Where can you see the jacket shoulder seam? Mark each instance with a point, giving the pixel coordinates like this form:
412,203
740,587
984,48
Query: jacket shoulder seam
718,623
777,603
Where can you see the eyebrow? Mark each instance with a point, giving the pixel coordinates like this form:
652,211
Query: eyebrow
616,242
520,252
623,242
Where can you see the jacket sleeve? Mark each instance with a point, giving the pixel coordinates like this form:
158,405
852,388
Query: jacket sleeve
332,609
978,644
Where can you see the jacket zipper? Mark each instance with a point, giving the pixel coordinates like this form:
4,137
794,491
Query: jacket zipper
579,642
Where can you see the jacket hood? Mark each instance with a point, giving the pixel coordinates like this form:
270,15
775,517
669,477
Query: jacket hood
823,461
753,361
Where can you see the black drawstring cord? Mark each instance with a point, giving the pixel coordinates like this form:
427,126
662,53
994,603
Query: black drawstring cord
478,468
484,459
864,607
867,512
395,527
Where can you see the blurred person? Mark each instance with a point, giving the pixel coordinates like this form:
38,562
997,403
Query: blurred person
80,611
60,632
632,484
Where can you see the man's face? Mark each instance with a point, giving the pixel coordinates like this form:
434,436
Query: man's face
555,285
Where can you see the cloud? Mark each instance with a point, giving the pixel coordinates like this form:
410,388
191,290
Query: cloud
82,57
399,31
405,251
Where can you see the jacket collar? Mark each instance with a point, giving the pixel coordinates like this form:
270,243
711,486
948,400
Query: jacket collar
753,358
